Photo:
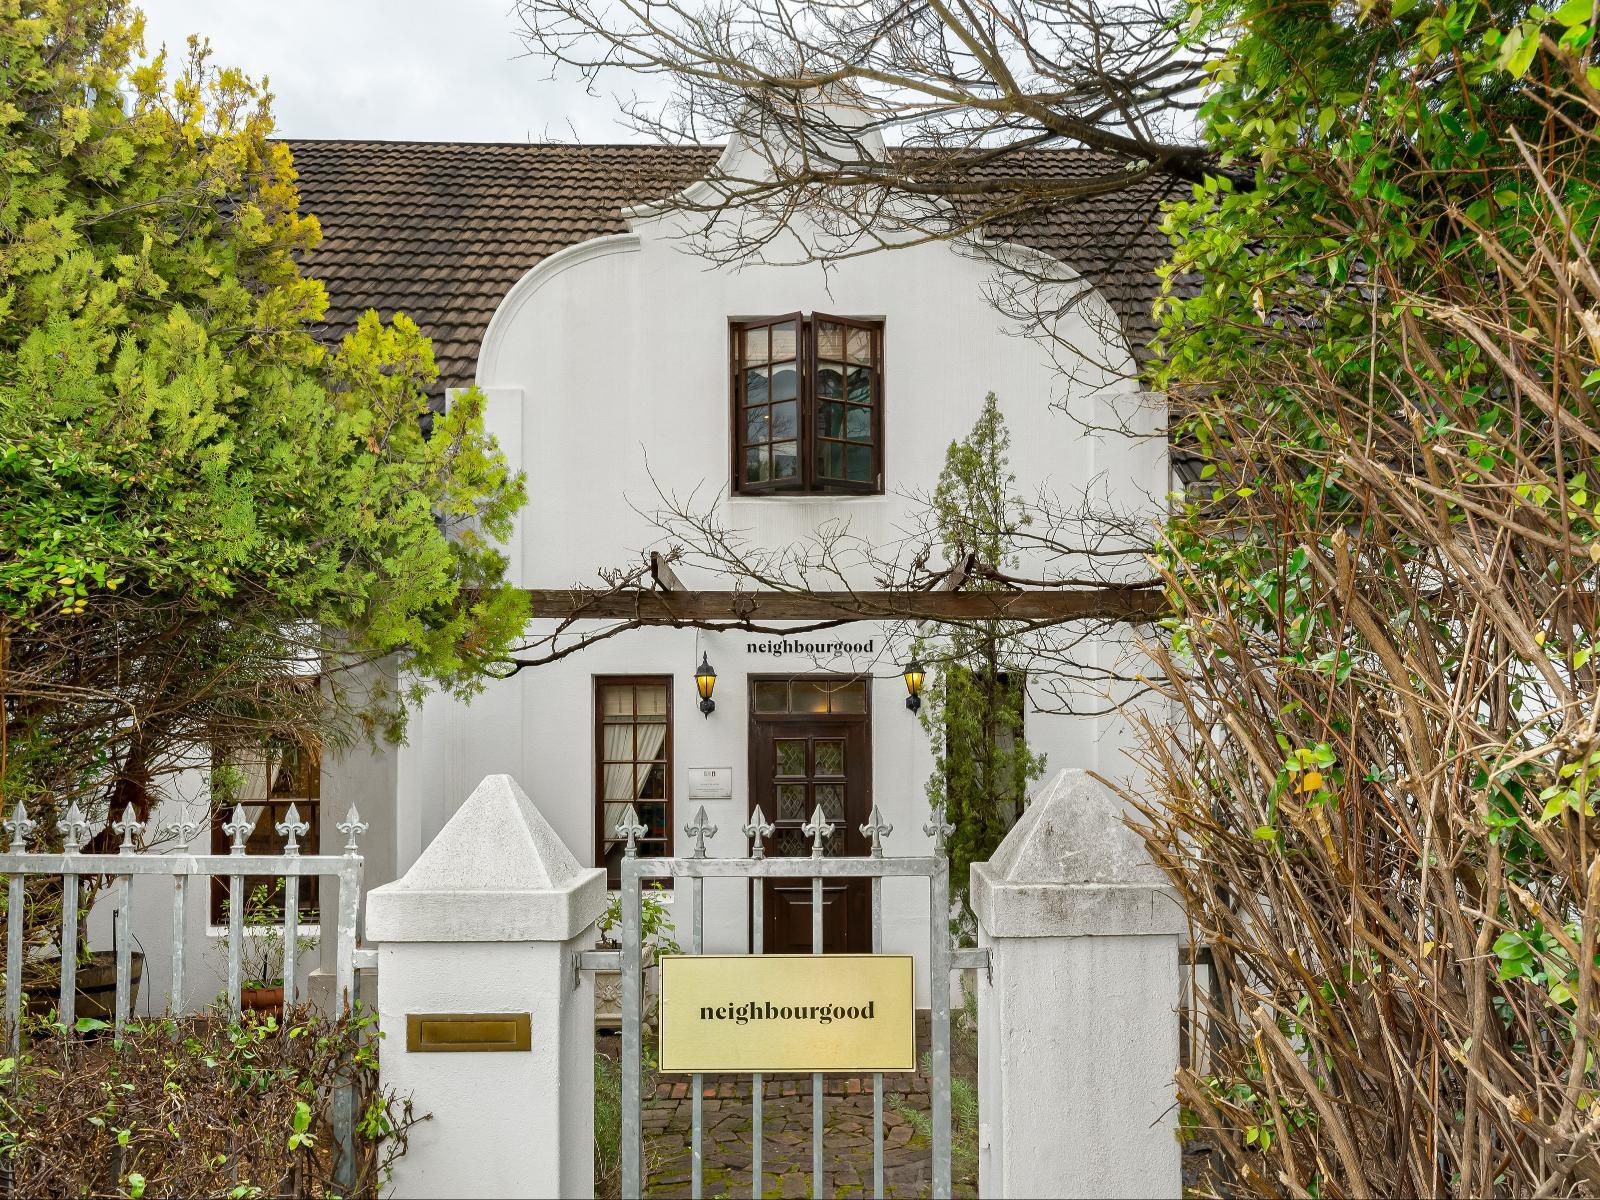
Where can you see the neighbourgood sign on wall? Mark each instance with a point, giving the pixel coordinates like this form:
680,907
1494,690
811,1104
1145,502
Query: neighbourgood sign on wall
787,1012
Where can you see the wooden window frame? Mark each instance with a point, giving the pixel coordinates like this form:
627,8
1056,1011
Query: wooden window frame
809,481
601,834
310,810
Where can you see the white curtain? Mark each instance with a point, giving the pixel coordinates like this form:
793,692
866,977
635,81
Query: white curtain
651,738
619,775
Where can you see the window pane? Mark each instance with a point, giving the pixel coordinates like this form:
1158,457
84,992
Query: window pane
755,345
755,385
850,698
830,381
654,819
785,460
617,782
755,464
830,340
858,463
785,421
783,341
830,758
810,696
830,420
652,701
859,342
792,802
652,781
791,843
757,424
616,701
831,797
791,757
784,380
772,696
830,460
860,385
858,423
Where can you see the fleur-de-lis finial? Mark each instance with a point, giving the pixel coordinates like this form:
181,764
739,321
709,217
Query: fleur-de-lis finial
938,829
238,829
699,829
74,829
630,830
292,828
352,827
819,830
758,831
19,827
184,830
127,827
877,829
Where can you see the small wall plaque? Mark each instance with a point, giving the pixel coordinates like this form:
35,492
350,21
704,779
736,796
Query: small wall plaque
454,1033
711,783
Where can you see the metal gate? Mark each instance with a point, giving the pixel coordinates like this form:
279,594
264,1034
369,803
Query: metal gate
696,869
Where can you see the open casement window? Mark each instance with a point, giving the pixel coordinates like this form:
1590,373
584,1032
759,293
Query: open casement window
265,781
807,404
633,765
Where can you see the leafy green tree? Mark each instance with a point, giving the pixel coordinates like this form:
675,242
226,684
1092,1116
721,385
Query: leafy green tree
206,503
1379,811
974,701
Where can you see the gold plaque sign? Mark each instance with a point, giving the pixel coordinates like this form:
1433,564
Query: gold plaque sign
452,1033
787,1012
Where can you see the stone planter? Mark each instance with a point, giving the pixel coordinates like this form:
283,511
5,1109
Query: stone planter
96,986
608,995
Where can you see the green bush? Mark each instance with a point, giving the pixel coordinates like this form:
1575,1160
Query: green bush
197,1106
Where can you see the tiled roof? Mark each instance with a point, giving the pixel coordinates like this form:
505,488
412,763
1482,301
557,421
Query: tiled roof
441,230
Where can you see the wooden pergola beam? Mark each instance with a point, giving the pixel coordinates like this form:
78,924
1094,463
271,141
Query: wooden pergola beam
1113,603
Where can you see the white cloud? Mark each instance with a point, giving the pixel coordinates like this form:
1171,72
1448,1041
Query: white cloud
422,70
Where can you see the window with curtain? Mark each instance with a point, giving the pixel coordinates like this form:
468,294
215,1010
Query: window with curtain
265,782
807,404
633,765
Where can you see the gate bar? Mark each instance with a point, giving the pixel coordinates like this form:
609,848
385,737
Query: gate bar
697,1081
632,1047
877,1077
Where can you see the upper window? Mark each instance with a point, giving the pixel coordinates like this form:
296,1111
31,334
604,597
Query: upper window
808,404
633,765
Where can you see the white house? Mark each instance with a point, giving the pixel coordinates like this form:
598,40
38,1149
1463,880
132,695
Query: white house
619,368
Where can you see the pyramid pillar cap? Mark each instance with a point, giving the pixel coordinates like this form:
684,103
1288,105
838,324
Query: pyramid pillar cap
497,872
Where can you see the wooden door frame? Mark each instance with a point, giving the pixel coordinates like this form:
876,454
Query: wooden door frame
753,735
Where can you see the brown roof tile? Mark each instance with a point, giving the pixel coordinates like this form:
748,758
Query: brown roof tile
441,230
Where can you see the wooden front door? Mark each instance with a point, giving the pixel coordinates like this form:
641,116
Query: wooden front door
810,745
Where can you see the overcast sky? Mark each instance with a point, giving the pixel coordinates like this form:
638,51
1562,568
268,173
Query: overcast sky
426,70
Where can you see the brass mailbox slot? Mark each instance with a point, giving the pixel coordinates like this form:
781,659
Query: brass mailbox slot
451,1033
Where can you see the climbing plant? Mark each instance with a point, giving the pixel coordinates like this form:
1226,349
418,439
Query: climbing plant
973,705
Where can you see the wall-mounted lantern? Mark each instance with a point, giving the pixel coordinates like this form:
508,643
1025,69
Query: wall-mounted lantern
705,681
914,675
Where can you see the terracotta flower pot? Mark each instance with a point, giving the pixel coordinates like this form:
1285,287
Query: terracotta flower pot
261,999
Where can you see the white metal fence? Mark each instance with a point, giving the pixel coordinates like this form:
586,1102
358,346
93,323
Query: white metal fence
71,867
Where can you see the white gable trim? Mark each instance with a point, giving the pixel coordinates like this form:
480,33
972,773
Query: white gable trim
528,286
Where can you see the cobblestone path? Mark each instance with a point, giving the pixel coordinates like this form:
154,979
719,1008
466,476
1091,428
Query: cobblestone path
786,1136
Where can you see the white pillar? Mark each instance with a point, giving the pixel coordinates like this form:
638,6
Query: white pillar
1077,1024
490,920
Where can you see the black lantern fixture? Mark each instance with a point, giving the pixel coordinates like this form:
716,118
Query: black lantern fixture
914,673
705,681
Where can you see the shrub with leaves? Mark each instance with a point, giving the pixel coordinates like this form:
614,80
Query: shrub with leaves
1378,805
200,1106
